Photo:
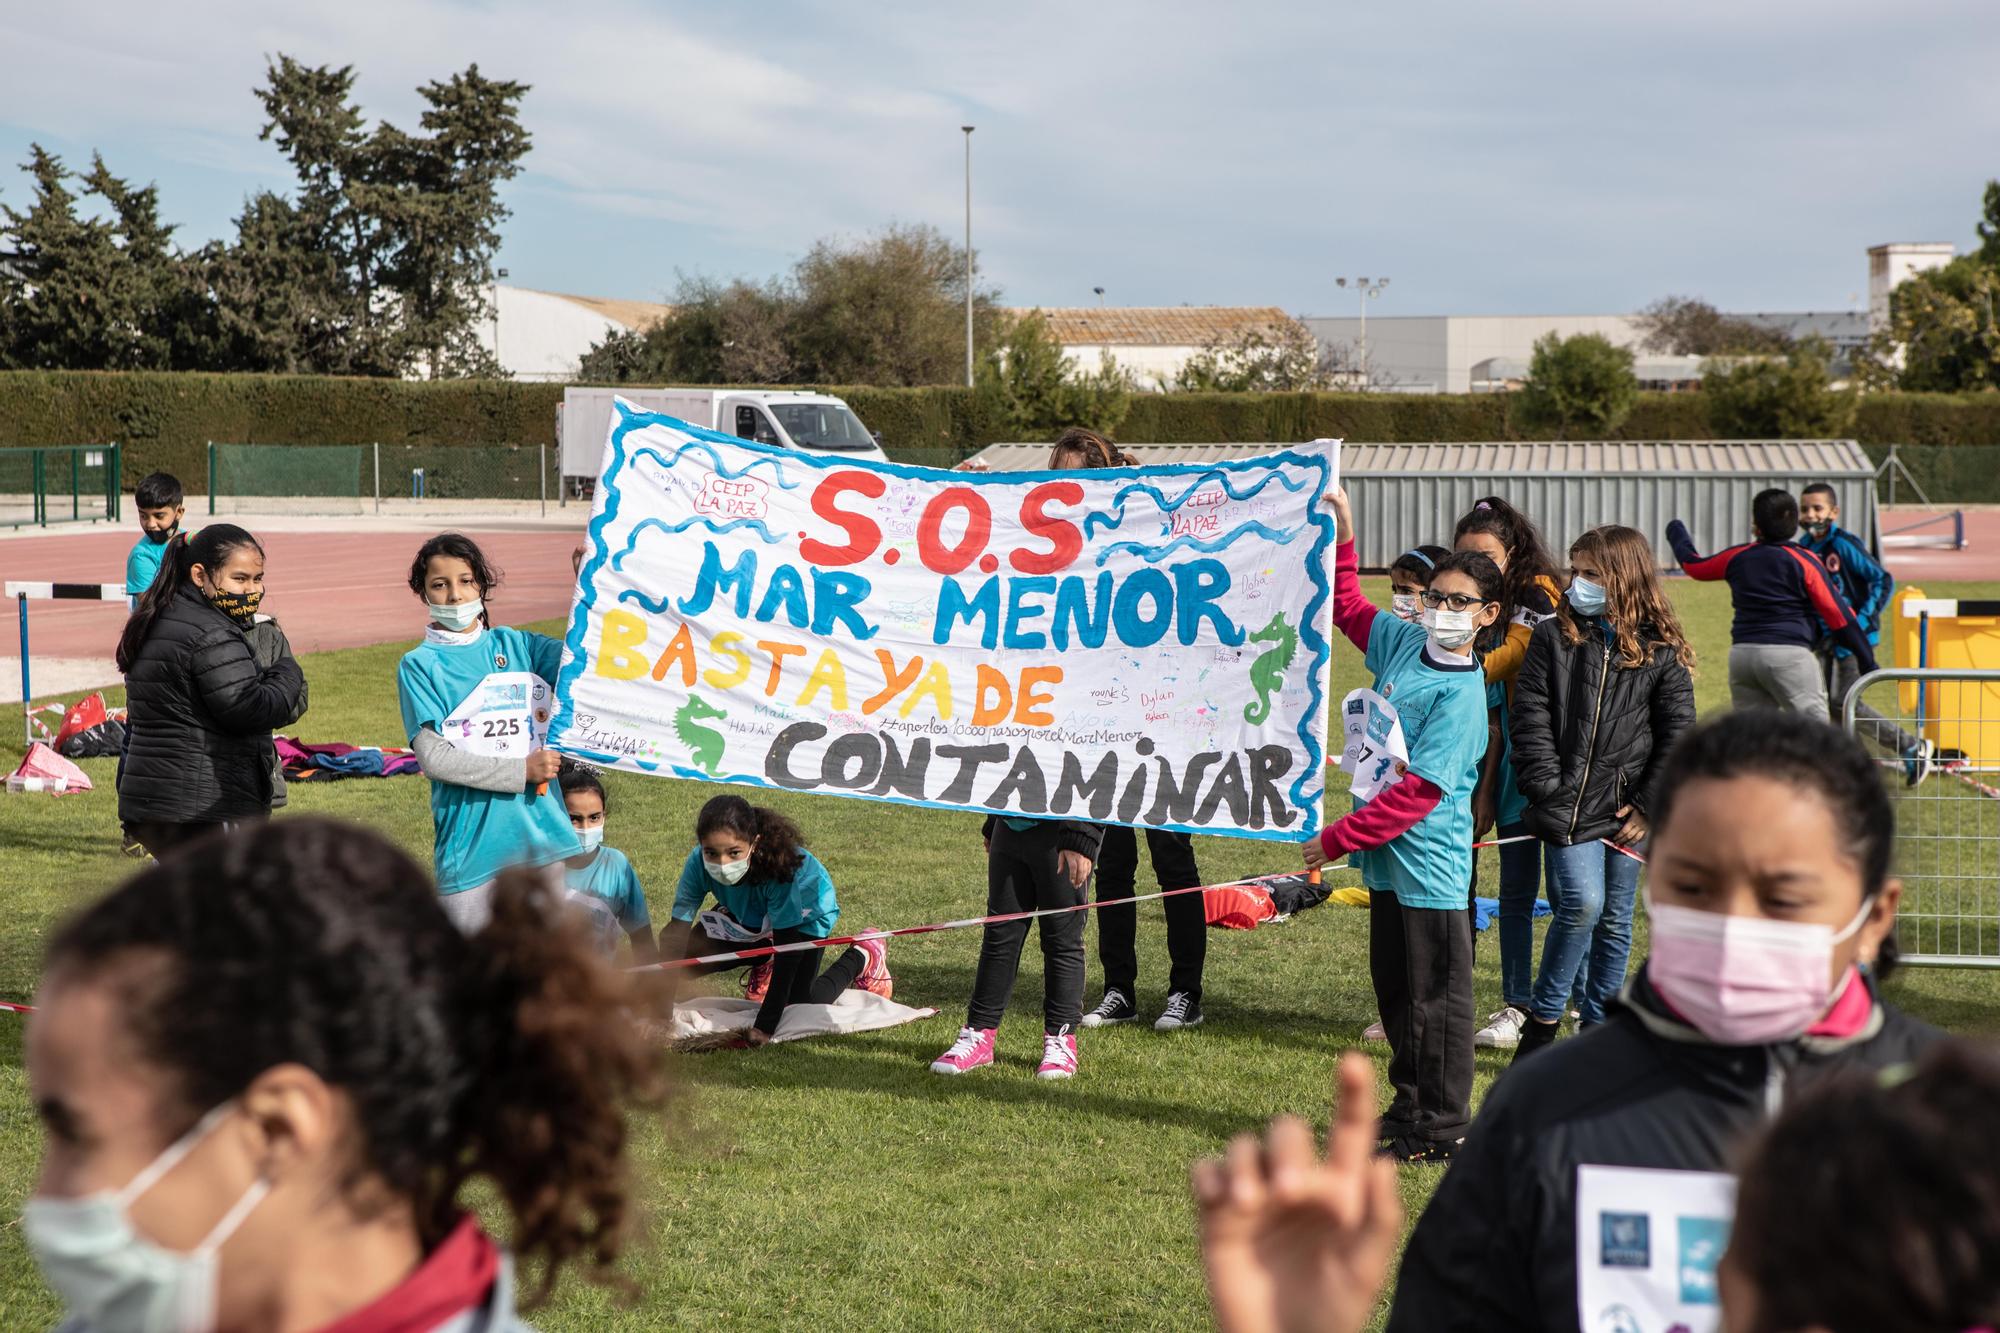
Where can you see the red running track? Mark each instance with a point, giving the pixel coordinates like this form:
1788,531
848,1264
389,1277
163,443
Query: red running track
328,589
1980,560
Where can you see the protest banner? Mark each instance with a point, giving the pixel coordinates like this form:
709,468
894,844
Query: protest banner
1139,646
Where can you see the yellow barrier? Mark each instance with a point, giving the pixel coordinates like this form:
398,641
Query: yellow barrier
1947,634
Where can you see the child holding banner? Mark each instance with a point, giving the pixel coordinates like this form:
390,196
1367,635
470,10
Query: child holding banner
1171,852
1410,834
476,703
753,861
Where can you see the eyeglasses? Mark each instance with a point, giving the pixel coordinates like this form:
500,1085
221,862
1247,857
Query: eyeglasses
1456,601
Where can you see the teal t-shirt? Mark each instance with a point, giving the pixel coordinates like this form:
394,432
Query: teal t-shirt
143,565
607,889
1513,807
481,833
805,903
1443,711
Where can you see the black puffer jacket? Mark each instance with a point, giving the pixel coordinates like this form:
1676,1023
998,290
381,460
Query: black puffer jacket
1496,1248
201,713
1589,735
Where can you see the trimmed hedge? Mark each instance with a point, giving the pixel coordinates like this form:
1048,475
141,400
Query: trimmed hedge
165,420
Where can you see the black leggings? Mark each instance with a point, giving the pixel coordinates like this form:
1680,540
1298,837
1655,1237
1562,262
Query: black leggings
1024,874
796,978
1118,922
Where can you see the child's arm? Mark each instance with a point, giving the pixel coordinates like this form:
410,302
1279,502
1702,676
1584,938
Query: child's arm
1532,723
644,950
1695,566
1486,796
1353,614
1394,811
441,761
269,644
239,694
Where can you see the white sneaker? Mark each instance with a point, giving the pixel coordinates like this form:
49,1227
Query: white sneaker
1375,1032
1502,1031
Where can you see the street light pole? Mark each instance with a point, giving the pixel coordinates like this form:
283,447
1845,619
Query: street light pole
968,254
499,276
1366,289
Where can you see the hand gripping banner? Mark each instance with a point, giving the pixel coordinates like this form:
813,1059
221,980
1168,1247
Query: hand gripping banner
1140,646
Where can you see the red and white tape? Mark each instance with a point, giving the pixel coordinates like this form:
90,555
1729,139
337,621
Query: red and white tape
965,923
834,941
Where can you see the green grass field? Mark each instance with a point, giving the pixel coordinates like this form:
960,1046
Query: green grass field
838,1182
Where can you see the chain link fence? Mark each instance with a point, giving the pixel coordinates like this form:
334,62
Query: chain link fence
70,483
1937,733
338,479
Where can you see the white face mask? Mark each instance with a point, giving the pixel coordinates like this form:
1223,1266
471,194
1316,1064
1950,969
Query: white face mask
1450,630
459,616
727,872
1405,605
592,837
115,1281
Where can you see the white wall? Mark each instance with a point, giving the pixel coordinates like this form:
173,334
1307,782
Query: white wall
1889,265
1436,353
541,336
1153,367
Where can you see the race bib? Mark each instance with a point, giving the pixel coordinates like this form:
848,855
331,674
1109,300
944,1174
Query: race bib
1376,755
505,717
722,926
1647,1245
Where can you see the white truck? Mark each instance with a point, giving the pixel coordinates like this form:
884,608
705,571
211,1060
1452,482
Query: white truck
814,423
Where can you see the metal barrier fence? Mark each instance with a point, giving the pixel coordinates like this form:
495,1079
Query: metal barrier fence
374,478
67,483
1937,733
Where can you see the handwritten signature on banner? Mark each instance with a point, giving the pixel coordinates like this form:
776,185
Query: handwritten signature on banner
1142,646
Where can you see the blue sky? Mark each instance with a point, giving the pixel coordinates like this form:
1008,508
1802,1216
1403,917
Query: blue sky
1539,156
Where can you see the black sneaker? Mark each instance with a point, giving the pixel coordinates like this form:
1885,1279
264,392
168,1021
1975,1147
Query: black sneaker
1426,1152
1534,1037
1416,1150
1182,1011
1115,1007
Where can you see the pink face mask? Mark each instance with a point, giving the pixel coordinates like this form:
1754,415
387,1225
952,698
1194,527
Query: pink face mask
1742,980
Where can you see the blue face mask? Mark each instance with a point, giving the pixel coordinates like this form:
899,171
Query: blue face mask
1586,598
115,1280
592,837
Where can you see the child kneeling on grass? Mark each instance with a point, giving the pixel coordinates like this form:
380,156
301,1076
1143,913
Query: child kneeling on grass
754,863
1412,841
600,880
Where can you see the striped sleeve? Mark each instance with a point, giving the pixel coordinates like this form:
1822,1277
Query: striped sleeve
1826,601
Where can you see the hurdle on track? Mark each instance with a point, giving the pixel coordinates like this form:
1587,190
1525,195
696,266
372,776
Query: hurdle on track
23,593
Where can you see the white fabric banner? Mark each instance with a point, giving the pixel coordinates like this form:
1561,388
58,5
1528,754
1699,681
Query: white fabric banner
1137,646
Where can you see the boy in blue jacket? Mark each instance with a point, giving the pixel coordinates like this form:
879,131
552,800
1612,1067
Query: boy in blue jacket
1867,587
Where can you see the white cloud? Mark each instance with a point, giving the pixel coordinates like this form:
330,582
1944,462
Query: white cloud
1553,153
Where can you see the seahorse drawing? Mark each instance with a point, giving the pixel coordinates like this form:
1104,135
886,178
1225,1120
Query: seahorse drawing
704,744
1267,673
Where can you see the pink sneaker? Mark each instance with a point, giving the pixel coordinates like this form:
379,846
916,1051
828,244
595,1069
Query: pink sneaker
875,976
1058,1056
757,981
973,1048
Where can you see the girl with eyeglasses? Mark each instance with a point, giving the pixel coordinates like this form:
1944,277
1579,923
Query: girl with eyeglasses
1411,837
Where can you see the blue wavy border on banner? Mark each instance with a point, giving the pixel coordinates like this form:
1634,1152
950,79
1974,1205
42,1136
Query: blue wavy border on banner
1308,792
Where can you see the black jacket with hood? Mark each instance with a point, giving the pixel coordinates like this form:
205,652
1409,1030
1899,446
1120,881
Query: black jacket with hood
1590,736
200,711
1496,1248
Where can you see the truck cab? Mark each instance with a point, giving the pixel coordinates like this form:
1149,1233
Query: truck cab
813,423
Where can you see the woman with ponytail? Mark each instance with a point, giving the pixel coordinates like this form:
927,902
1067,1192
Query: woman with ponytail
200,705
270,1071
